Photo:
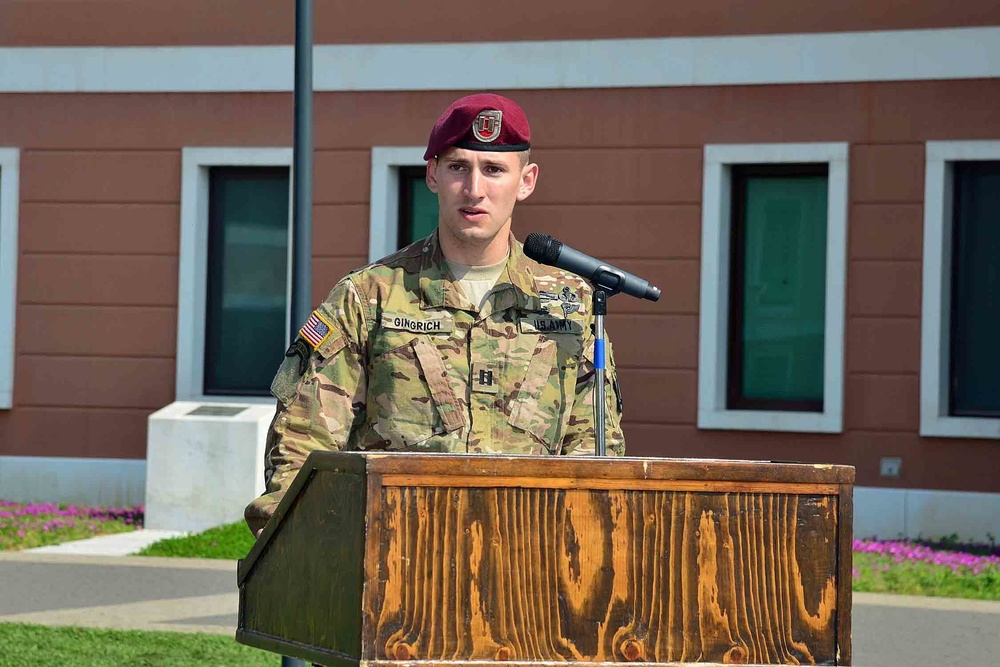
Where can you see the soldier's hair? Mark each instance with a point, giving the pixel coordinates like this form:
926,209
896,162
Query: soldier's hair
524,157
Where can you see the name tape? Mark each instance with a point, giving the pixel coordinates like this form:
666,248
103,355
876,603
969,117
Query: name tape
550,325
418,325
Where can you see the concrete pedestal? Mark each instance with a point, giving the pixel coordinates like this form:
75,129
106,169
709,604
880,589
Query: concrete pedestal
204,463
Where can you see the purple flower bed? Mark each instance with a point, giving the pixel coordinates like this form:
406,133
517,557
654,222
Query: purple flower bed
24,525
915,552
130,515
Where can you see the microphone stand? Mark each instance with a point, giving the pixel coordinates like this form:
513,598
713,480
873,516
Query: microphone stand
606,284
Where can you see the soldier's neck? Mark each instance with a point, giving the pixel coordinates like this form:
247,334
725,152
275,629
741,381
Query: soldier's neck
469,253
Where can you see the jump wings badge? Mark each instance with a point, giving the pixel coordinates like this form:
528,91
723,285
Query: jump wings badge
486,126
569,301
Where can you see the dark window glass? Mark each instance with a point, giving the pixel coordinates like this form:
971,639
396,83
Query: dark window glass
975,299
418,206
245,317
777,287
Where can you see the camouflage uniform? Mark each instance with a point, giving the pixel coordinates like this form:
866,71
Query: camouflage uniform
410,364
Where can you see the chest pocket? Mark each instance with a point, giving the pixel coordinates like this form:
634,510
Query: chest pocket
409,396
545,397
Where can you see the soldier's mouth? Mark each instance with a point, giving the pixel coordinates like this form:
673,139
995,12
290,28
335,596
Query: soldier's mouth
472,212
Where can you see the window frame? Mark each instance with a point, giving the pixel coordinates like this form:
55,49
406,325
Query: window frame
193,263
713,367
383,221
9,202
935,315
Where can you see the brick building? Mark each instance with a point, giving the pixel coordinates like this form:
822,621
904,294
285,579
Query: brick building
814,191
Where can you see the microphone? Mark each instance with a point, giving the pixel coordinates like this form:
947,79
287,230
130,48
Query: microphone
546,250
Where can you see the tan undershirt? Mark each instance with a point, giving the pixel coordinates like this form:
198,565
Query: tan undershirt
477,281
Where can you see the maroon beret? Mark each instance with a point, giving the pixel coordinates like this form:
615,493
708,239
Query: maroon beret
481,122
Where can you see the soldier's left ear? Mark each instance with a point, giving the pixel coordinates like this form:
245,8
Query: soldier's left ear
529,177
431,175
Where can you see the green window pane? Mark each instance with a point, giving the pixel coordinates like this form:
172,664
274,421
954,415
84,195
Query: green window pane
245,318
779,284
975,306
418,206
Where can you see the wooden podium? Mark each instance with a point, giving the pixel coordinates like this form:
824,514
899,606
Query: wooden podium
410,559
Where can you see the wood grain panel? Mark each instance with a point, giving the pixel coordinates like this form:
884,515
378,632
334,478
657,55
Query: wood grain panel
329,516
625,469
527,574
682,485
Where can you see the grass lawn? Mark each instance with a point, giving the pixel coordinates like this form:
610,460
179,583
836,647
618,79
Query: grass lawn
39,645
231,541
941,569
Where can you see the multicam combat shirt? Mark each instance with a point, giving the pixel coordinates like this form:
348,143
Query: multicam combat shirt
397,358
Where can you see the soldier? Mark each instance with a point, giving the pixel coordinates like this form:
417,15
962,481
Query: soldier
456,343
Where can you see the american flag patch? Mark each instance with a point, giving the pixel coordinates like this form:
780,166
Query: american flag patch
315,330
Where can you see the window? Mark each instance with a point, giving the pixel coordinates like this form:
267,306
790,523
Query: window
773,283
960,361
247,290
418,206
9,195
234,299
398,190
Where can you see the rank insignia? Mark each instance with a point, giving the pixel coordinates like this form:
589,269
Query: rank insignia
315,330
486,126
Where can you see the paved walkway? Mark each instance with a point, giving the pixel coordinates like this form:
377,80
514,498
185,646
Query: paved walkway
77,585
97,583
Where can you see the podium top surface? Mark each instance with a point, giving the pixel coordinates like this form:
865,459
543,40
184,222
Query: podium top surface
534,470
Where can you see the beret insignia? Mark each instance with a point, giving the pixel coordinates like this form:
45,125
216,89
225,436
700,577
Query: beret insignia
486,126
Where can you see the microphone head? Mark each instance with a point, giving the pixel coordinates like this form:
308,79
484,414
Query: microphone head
542,248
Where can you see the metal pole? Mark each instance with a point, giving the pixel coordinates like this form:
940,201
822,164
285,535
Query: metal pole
302,168
600,366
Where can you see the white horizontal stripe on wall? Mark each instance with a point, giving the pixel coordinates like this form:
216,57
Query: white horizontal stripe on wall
899,55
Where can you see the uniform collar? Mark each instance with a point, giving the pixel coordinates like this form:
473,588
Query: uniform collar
438,288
